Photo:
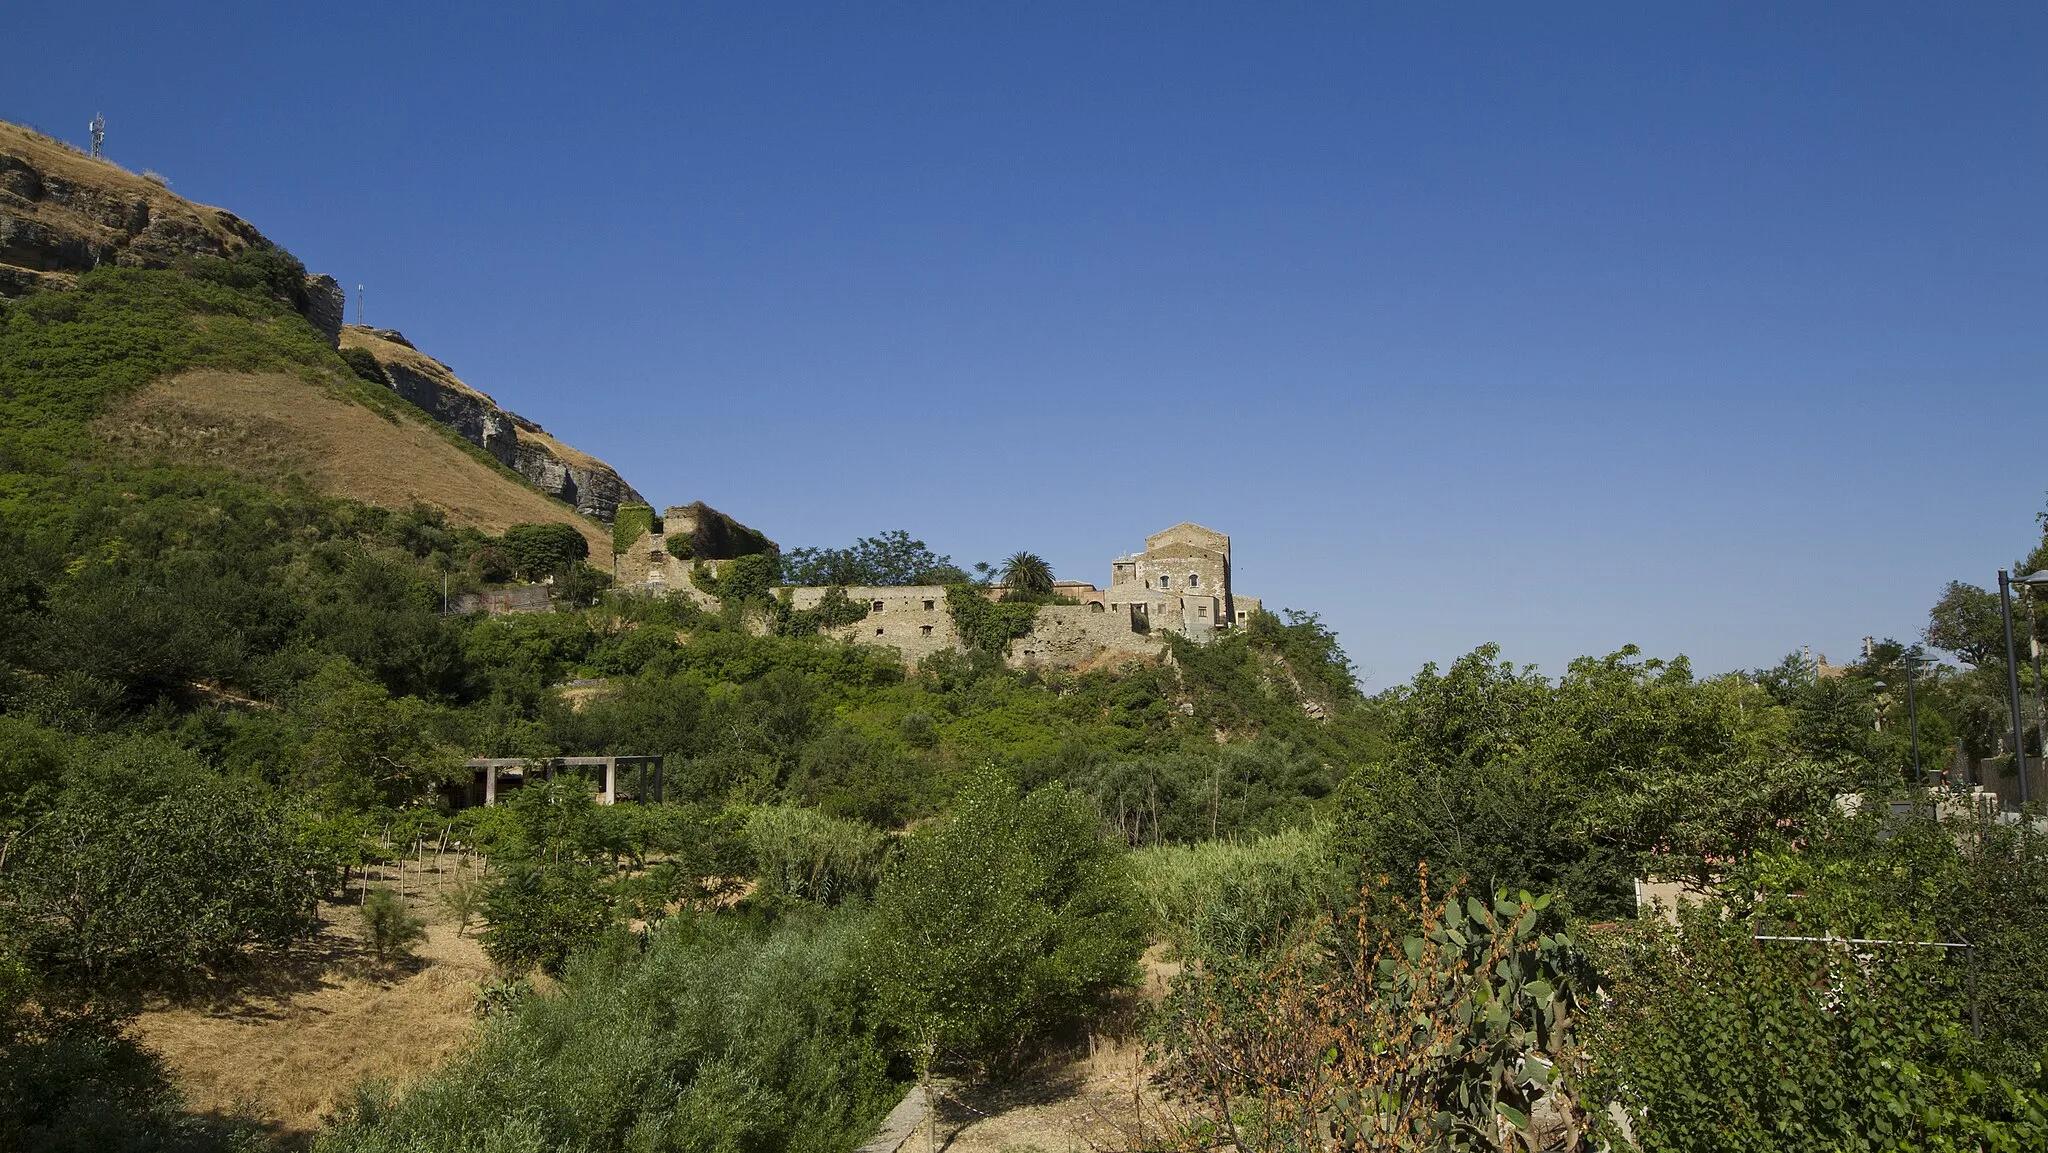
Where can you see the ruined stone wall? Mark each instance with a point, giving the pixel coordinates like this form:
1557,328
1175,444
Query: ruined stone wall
1064,636
647,567
912,619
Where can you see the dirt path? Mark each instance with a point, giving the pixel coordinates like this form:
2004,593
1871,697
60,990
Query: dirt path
287,1044
1093,1098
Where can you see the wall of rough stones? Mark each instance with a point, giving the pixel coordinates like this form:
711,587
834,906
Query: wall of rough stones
911,619
1067,635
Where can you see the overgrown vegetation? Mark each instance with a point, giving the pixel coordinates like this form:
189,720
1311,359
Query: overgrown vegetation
217,699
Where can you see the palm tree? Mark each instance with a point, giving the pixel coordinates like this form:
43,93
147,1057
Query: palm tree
1026,573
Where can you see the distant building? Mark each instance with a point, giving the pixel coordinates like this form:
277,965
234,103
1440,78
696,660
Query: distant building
1179,584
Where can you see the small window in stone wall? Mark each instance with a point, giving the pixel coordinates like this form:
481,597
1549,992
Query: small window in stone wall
1202,610
929,605
878,608
1194,580
878,632
924,630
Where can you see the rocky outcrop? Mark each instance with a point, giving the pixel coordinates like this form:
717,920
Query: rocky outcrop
591,486
62,213
326,306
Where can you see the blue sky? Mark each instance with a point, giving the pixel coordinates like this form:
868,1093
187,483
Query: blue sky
1717,330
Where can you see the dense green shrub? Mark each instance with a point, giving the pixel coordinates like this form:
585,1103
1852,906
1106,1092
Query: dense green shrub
540,914
988,625
1007,919
363,363
1710,1039
803,853
540,550
723,1035
103,892
1223,902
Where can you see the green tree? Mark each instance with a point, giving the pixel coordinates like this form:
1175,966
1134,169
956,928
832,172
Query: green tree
892,558
361,746
100,894
1007,919
391,929
540,549
1967,622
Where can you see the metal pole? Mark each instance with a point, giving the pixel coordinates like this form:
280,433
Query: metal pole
2012,678
1913,722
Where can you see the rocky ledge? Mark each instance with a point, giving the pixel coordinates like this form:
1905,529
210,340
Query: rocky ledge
576,478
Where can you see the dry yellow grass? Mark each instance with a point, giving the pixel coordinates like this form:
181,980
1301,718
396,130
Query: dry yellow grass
277,423
290,1050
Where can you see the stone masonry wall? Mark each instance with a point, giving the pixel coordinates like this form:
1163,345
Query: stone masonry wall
909,618
1064,636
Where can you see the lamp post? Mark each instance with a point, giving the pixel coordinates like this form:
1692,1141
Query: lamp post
1912,658
2012,665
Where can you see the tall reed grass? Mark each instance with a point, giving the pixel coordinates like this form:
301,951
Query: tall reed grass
1219,900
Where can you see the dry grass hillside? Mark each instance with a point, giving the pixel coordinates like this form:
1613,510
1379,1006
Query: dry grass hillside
277,424
62,211
288,1045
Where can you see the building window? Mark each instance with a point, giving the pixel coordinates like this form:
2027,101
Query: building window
878,632
878,606
928,605
1202,610
1194,580
924,630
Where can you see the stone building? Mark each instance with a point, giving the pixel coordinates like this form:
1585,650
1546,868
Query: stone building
1179,584
649,566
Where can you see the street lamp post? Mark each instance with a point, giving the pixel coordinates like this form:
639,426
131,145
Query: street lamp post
2012,665
1913,714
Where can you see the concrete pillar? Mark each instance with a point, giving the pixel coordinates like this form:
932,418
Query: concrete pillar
490,784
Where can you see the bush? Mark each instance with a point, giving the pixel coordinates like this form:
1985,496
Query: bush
96,896
1444,1038
803,853
723,1035
1709,1040
1006,920
363,363
391,930
541,914
1225,902
540,549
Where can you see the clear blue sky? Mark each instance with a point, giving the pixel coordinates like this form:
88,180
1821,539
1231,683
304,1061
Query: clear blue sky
1566,326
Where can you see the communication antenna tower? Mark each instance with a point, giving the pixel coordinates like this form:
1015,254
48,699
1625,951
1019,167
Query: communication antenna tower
98,127
359,305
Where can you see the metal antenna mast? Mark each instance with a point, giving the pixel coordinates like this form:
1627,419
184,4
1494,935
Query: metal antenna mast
98,127
359,306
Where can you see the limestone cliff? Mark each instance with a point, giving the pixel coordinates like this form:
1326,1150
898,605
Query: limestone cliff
574,477
63,213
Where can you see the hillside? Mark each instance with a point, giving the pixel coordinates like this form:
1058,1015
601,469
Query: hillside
64,215
276,424
575,477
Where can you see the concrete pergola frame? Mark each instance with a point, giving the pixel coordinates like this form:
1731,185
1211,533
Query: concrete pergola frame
649,773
